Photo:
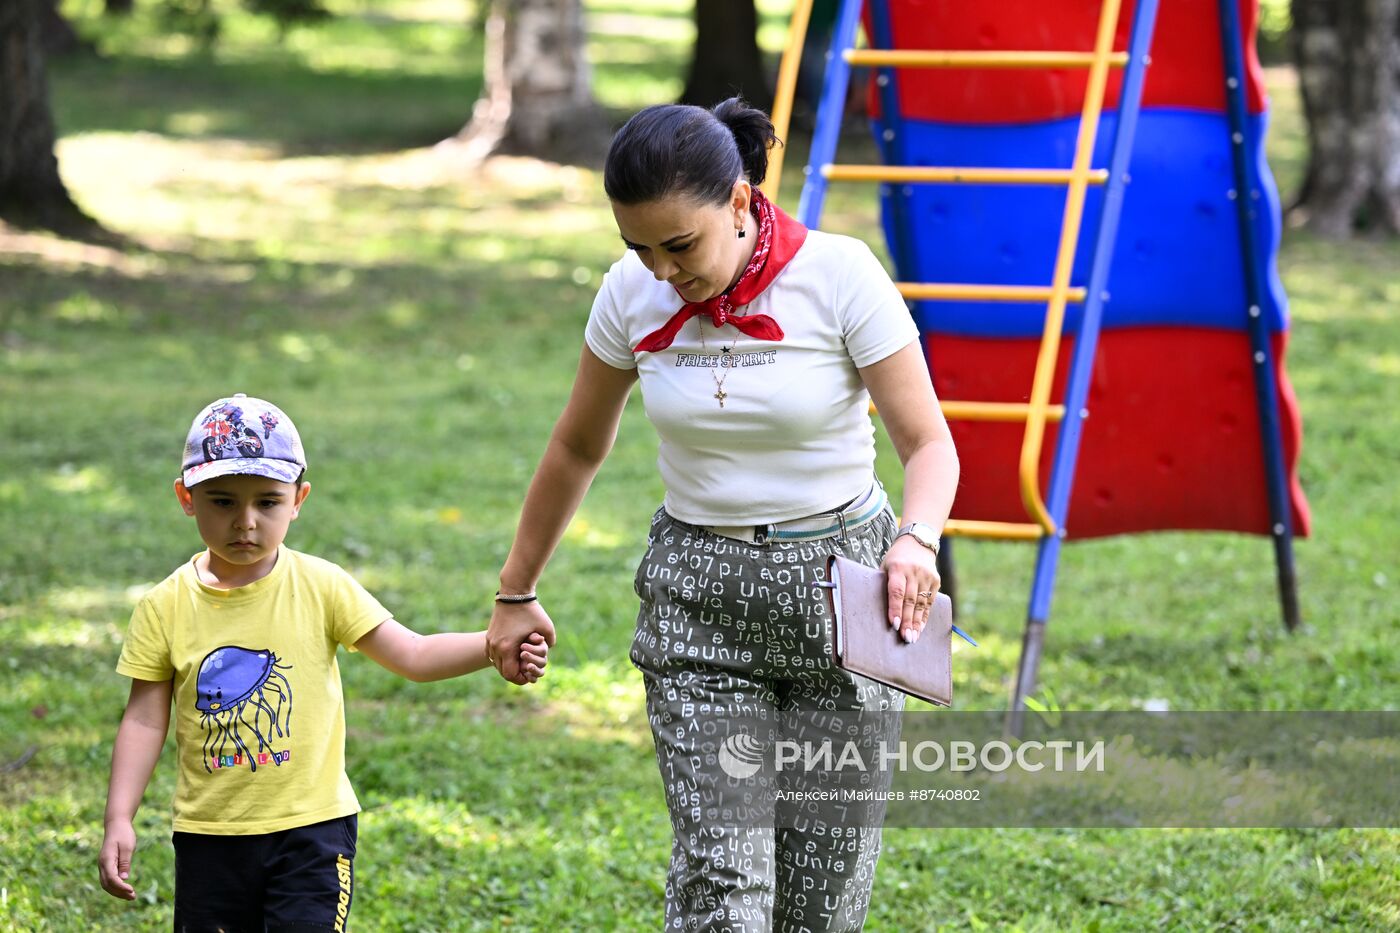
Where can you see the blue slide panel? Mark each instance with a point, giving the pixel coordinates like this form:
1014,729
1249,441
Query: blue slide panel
1177,260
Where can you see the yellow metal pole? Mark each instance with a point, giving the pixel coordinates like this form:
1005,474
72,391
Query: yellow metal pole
1064,263
975,175
950,291
786,90
1004,531
995,411
912,58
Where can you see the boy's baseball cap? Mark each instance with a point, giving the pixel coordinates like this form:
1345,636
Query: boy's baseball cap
243,436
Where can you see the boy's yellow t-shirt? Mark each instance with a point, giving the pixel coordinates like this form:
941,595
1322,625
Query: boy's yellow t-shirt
259,714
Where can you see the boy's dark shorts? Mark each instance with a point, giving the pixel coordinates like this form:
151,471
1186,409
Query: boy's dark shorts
292,881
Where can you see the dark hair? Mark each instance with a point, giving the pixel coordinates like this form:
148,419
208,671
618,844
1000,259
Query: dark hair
675,149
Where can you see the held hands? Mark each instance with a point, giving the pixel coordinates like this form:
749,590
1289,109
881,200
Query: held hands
534,655
518,641
913,581
114,859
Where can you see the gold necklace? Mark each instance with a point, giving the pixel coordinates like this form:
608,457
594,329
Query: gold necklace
720,395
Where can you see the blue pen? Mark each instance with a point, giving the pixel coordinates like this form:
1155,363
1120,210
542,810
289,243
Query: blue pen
965,637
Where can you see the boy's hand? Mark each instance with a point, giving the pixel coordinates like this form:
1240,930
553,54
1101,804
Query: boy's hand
534,655
114,861
510,630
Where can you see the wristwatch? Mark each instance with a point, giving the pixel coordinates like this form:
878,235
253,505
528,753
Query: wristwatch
924,534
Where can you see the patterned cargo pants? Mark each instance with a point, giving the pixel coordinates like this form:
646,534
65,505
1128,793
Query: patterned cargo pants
733,637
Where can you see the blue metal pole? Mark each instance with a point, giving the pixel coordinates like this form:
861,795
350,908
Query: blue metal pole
1085,345
1247,195
829,112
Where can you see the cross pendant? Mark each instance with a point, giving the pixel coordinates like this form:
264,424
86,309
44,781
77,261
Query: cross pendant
721,395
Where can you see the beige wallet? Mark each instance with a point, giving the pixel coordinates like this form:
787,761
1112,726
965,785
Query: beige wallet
866,644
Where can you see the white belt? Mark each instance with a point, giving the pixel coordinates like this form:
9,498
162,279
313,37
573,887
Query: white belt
861,511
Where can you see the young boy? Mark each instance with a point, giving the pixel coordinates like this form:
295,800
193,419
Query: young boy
243,638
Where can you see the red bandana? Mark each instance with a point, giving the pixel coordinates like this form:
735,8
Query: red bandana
779,237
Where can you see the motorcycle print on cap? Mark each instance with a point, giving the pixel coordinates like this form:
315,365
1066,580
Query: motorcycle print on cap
225,434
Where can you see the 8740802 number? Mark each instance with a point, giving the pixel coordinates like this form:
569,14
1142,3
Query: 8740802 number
970,794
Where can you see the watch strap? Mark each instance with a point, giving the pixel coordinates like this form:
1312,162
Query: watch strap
928,530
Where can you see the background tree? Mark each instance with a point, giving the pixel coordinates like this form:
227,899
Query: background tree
538,93
289,13
31,191
1348,58
57,33
203,20
727,60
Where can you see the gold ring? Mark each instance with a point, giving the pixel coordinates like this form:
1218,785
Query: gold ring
926,594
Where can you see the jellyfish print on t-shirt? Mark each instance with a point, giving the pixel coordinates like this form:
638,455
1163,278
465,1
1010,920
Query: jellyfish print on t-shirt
243,698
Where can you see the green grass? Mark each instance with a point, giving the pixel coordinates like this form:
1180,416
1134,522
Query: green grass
296,239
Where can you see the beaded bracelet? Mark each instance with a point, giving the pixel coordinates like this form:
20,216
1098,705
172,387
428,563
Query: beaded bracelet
520,598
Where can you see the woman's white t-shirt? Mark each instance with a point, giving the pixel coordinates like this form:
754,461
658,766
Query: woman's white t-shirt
794,436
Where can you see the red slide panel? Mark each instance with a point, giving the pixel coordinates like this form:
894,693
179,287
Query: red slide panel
1172,439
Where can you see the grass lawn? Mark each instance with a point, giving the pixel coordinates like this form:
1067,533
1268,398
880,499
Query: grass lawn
296,239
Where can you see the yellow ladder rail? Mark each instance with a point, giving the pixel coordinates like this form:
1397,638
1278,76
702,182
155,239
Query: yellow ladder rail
951,291
910,58
955,175
783,96
1012,531
1064,264
996,411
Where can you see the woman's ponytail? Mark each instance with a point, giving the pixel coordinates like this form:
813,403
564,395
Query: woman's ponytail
753,135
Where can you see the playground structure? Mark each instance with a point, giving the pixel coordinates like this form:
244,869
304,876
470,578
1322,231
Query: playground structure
1079,211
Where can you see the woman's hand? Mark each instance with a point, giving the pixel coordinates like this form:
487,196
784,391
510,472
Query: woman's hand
913,582
511,626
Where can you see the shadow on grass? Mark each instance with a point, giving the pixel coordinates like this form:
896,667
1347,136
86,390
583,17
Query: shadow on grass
293,107
287,104
197,291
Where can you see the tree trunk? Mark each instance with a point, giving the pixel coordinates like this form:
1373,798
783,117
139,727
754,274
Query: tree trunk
726,61
538,94
1348,57
31,192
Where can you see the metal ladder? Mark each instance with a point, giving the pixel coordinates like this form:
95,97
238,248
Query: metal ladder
1045,512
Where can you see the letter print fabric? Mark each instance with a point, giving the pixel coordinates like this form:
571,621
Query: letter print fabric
730,637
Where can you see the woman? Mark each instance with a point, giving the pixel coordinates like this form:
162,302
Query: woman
758,345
